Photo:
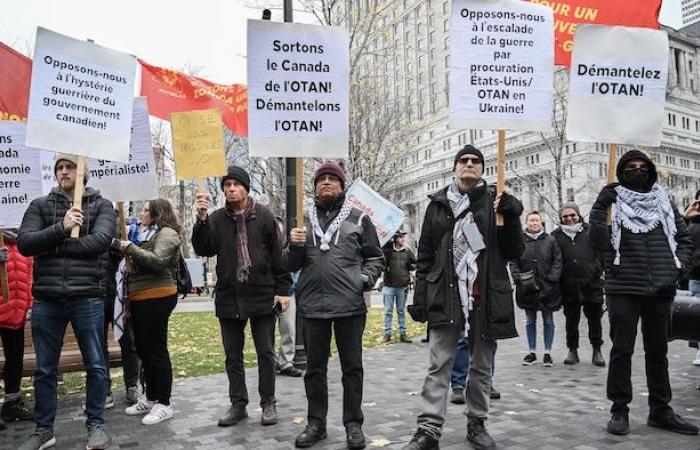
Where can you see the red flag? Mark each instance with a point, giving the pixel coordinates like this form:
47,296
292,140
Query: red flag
15,77
169,91
569,13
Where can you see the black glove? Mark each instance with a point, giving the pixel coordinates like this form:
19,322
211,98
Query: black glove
418,313
607,196
3,255
509,206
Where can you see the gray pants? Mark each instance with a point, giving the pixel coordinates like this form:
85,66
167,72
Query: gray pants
284,357
442,350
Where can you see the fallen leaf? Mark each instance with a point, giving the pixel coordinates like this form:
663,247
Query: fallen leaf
519,385
411,393
536,391
390,369
380,442
297,420
511,413
369,404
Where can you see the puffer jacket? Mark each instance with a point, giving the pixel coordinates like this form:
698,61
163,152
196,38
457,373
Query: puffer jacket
331,283
647,267
437,291
19,280
67,268
543,256
694,268
581,277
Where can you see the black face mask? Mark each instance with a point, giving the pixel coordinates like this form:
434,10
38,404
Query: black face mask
637,178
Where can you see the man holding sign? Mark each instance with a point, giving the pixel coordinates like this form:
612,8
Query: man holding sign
69,286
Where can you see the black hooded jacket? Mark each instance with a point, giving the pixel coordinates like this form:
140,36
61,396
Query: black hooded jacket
583,268
543,257
647,267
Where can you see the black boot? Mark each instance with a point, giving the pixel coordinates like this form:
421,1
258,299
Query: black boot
235,414
422,441
477,435
598,359
572,357
672,422
15,410
311,435
619,424
354,437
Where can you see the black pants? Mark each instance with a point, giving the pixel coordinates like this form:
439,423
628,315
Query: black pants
263,330
150,321
625,312
13,348
593,312
348,339
131,364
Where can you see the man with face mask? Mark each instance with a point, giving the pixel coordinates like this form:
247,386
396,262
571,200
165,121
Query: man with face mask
645,249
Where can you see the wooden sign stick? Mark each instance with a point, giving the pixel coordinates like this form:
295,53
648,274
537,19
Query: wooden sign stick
299,177
3,274
78,192
612,166
123,232
501,170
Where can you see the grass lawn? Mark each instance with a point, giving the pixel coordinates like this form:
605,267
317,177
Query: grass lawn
195,348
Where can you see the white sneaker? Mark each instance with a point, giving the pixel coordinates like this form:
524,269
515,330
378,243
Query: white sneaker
141,407
158,414
696,362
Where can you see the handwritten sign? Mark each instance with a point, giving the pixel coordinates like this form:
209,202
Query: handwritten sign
198,141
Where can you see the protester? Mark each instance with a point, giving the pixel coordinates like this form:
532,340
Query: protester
339,258
644,249
252,278
581,284
460,370
68,287
13,315
536,274
692,216
400,262
462,287
152,296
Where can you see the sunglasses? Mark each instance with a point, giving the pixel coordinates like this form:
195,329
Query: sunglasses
566,216
465,161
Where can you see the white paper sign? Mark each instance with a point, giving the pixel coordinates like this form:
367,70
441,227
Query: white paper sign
386,217
298,81
81,98
501,65
119,182
617,87
20,174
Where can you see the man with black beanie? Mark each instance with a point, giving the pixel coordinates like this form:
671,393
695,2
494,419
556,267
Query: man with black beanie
251,279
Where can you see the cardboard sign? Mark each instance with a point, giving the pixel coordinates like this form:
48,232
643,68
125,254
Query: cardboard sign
386,217
20,174
501,65
298,81
198,143
617,87
81,98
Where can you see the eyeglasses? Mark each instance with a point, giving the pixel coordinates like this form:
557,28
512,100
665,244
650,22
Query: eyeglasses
566,216
331,178
465,161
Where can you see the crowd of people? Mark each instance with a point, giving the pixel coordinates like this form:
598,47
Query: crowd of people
472,254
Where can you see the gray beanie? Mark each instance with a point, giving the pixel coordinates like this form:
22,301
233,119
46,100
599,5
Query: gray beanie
571,205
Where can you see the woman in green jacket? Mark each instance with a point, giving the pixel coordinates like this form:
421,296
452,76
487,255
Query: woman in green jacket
152,295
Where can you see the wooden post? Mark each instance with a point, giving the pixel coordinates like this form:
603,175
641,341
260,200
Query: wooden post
123,232
501,170
299,177
3,274
78,192
612,166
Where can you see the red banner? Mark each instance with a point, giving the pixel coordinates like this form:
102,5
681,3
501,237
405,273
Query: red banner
169,91
15,77
569,13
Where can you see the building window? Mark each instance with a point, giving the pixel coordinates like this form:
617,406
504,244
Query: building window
569,194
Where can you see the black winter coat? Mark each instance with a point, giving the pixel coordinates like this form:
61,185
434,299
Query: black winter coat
399,265
543,256
331,283
66,268
694,230
581,278
218,236
437,292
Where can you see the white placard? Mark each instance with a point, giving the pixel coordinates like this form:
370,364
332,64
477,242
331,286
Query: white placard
298,81
81,98
501,65
20,174
617,87
116,181
386,217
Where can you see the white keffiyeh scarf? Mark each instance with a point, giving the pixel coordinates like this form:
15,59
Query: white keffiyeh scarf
641,212
572,230
332,229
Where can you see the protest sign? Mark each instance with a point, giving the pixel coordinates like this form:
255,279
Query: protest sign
386,217
298,80
501,65
20,174
617,87
198,144
81,98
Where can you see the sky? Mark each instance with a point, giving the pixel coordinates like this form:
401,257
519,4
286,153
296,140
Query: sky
205,34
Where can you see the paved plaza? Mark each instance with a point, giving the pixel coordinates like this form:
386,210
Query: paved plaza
558,407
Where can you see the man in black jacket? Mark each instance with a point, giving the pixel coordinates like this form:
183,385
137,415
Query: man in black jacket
339,258
251,279
645,249
462,286
69,286
581,284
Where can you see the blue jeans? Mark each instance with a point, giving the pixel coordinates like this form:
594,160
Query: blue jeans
49,321
694,287
530,329
399,295
461,365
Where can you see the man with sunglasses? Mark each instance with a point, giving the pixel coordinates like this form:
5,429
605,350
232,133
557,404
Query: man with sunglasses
462,287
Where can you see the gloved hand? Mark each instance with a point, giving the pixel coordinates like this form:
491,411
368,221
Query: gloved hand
607,196
508,205
3,255
418,313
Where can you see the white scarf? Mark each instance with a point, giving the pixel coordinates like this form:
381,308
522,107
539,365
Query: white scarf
120,300
332,228
534,236
641,212
464,259
572,230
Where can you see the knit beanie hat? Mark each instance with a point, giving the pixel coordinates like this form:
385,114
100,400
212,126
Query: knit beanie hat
571,205
330,168
239,174
468,150
72,158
